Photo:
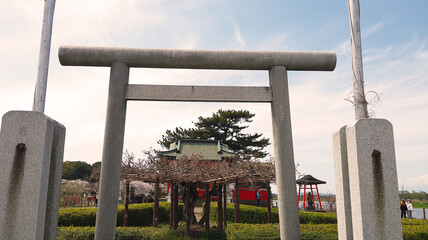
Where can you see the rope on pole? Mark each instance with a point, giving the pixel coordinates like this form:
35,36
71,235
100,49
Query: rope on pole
359,98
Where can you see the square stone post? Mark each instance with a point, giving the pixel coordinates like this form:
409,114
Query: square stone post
373,180
111,164
343,195
31,152
284,157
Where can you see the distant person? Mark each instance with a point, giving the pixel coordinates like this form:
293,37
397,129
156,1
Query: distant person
409,209
403,208
89,198
258,197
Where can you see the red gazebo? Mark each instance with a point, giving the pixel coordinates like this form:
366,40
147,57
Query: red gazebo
311,183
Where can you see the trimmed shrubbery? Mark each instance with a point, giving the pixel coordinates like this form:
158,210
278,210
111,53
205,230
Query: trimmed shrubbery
406,221
242,231
258,215
122,233
238,231
234,231
134,233
138,215
415,232
313,225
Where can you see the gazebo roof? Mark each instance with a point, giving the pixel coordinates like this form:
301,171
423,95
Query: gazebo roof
308,179
208,149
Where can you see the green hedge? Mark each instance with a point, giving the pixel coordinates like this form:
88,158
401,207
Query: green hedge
406,221
138,215
133,233
308,231
234,231
122,233
243,231
415,232
258,215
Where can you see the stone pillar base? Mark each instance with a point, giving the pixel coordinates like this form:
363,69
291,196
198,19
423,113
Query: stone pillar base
31,153
373,184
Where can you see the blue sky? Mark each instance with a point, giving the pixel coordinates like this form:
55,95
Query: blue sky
395,55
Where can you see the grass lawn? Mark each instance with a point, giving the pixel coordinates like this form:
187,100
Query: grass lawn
423,204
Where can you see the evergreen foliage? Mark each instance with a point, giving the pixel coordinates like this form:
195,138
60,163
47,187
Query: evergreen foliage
73,170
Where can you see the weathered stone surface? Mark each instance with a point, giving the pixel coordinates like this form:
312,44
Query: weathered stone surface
27,140
343,196
198,93
105,226
284,156
54,186
373,180
197,59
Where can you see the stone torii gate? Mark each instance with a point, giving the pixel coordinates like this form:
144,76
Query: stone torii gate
120,60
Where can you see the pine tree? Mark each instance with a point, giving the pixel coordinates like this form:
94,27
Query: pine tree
224,125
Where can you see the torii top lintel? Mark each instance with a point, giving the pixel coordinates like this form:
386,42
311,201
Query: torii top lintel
197,59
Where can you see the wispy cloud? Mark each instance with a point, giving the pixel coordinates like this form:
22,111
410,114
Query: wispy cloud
238,36
372,29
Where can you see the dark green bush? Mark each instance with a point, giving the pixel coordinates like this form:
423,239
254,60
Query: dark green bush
317,218
234,231
309,231
78,233
133,233
77,217
415,232
122,233
138,215
258,215
271,231
406,221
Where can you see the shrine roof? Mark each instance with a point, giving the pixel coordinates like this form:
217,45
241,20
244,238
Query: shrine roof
308,179
208,149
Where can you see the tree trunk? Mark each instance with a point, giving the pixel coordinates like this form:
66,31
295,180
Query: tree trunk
236,201
188,217
207,207
224,206
220,208
268,203
171,206
125,212
156,204
175,214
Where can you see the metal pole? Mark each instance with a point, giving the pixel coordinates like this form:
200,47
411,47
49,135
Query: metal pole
45,48
357,60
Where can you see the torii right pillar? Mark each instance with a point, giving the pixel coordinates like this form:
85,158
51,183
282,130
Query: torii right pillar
366,181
